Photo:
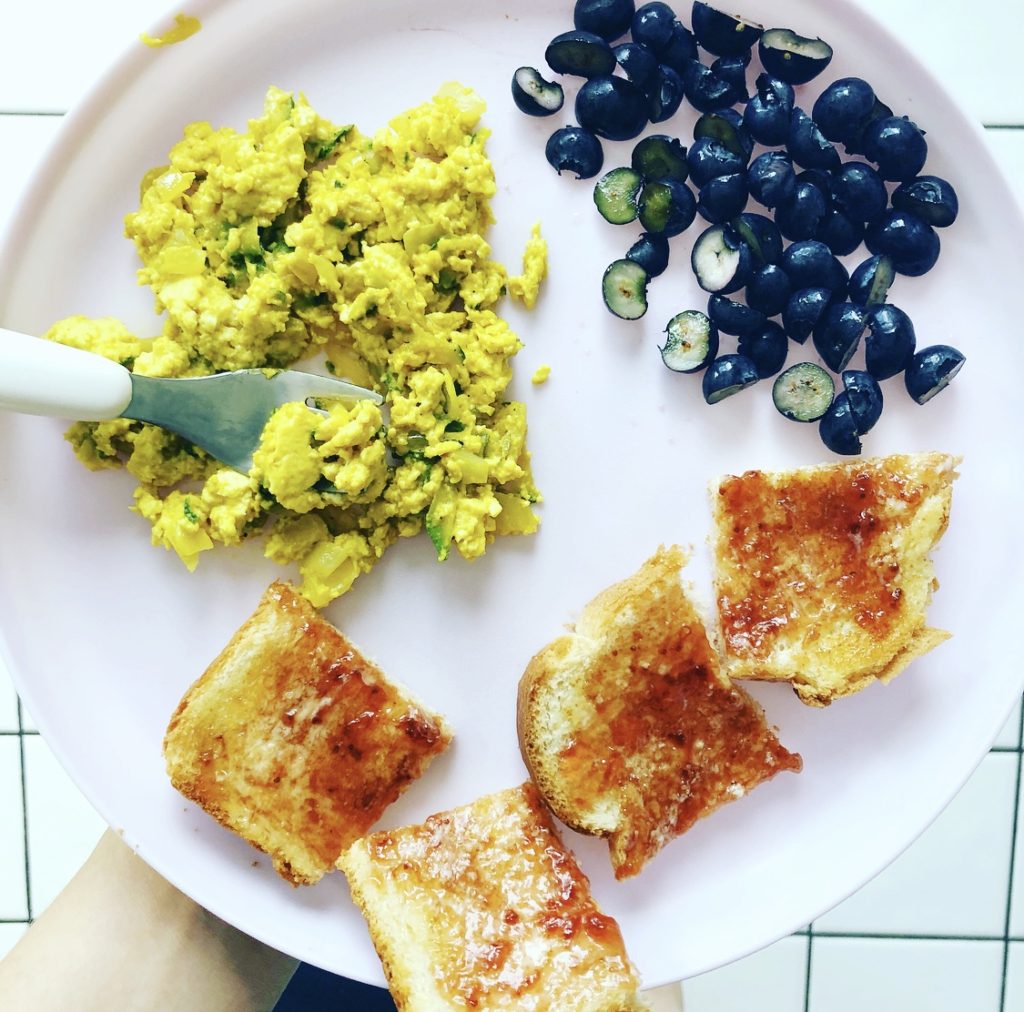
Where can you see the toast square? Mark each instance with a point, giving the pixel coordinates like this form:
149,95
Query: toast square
823,575
296,741
482,907
627,725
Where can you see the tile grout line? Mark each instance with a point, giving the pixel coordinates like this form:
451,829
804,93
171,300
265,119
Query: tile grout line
807,967
1013,862
24,811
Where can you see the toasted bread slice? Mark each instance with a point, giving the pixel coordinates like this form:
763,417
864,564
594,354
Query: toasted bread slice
294,740
482,907
823,574
629,729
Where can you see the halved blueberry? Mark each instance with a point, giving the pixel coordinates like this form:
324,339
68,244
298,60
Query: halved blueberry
897,146
931,370
721,261
819,178
651,253
667,207
734,70
810,264
761,235
768,290
838,334
652,26
871,281
766,347
573,149
768,112
771,178
535,96
722,198
616,195
680,49
691,342
912,245
659,156
666,95
726,127
611,107
855,144
865,396
791,57
723,34
858,190
624,287
931,198
843,108
838,427
726,376
803,311
733,317
638,63
891,341
708,157
839,233
583,54
803,392
705,90
807,145
800,215
608,18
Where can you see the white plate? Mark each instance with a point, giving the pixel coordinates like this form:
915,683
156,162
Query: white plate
103,632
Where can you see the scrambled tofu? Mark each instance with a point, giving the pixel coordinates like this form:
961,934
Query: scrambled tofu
299,237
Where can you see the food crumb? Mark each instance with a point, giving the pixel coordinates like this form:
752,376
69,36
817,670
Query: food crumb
541,375
185,26
526,286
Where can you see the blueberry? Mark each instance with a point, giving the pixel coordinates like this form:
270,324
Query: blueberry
838,427
691,342
897,146
804,392
708,158
838,334
652,26
638,63
858,190
667,207
807,145
721,261
912,245
771,178
734,70
810,264
855,144
733,317
768,290
659,156
624,288
583,54
680,49
608,18
651,253
726,126
722,198
819,178
871,281
843,108
723,34
768,112
726,376
840,233
766,348
705,90
611,107
931,370
535,96
865,396
791,57
800,215
573,149
932,199
666,95
761,235
806,306
891,341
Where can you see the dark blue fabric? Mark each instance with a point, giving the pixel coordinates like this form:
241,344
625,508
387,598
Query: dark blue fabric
314,990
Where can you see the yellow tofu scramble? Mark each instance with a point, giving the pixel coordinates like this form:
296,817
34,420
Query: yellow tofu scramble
300,237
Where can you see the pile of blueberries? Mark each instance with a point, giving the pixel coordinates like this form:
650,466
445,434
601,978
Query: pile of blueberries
820,206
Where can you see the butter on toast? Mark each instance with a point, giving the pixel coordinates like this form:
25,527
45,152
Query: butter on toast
482,907
294,740
823,574
627,726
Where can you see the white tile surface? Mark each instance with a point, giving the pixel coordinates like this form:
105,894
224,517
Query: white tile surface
9,935
13,903
8,702
1017,908
854,975
953,880
1015,978
776,975
1009,737
62,826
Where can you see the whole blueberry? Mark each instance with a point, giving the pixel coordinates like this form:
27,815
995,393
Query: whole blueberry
611,107
573,149
897,146
871,280
912,245
806,306
858,190
891,341
608,18
766,347
652,26
807,145
931,198
771,178
768,290
666,95
838,334
800,215
651,253
819,178
705,90
733,317
708,157
843,108
768,112
638,63
722,198
810,264
840,233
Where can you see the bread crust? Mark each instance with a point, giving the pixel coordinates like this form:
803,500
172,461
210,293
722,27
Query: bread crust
627,725
294,740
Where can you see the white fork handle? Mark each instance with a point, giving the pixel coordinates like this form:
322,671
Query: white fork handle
40,377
